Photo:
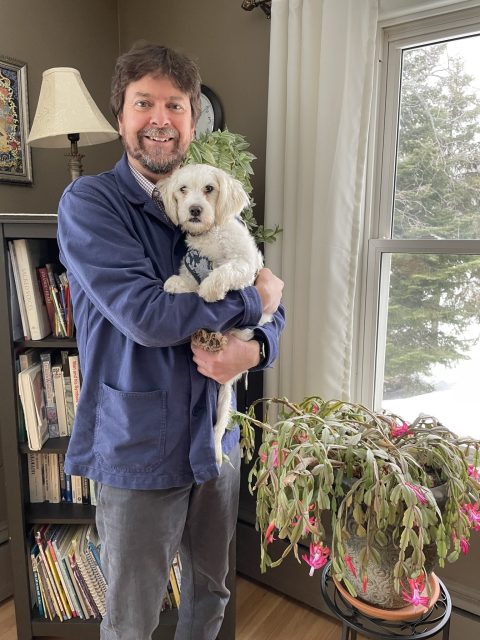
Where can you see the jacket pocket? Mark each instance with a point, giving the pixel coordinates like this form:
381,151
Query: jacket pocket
130,430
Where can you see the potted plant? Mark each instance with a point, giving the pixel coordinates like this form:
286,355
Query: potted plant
384,489
229,151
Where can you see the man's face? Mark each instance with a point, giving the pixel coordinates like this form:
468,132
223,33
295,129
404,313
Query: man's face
156,125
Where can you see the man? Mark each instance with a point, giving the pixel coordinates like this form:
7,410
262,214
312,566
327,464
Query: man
144,422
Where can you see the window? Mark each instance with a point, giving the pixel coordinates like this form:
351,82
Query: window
423,274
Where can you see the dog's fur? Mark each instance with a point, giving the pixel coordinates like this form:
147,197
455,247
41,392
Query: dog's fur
206,203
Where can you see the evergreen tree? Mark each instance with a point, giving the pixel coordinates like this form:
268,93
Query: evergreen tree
433,298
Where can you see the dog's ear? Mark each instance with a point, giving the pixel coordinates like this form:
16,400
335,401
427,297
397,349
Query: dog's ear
232,197
167,191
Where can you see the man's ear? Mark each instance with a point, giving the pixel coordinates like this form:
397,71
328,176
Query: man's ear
119,121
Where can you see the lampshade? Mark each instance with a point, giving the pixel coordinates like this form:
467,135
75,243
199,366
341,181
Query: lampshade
66,107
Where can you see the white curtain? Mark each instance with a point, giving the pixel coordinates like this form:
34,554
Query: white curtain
322,57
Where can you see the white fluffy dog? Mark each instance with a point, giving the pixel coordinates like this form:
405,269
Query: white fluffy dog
206,203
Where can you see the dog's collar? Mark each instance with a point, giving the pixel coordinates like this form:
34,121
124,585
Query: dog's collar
198,266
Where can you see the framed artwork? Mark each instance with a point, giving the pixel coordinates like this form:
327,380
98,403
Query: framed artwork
15,155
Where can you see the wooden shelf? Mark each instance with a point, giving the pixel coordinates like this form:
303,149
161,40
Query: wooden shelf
63,513
90,629
52,445
50,342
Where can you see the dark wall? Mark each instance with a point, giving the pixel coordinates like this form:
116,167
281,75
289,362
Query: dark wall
59,33
231,47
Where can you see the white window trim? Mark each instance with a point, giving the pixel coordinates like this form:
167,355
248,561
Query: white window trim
373,291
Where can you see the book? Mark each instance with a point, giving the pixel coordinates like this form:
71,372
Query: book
30,385
74,365
77,489
18,289
50,403
47,296
15,313
50,586
44,590
31,253
35,479
52,467
67,383
59,390
36,581
61,543
175,588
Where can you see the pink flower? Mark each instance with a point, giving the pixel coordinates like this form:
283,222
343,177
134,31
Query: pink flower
473,472
317,558
416,588
364,584
400,430
315,408
350,565
473,514
273,454
464,545
269,533
417,491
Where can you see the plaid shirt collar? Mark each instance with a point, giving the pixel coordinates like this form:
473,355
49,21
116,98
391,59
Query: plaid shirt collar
146,185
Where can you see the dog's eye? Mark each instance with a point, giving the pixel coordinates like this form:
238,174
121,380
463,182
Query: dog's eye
209,188
183,189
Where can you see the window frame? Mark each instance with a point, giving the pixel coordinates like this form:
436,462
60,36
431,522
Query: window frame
379,244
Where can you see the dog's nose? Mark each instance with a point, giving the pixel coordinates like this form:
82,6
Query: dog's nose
195,211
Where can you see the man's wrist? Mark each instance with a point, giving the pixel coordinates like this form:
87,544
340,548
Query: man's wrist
260,339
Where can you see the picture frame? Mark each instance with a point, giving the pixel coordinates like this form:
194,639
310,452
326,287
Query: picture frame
15,154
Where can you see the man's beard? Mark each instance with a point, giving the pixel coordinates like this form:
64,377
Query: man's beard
161,162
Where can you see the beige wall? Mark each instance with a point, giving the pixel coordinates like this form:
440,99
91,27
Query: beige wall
59,33
230,45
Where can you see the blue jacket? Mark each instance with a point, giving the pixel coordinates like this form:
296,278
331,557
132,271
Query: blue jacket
145,415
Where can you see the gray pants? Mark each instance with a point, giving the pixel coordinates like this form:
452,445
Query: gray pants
140,533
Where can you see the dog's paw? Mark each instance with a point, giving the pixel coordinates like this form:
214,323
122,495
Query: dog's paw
176,284
211,290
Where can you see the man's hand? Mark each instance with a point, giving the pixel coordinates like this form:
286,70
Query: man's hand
270,290
237,356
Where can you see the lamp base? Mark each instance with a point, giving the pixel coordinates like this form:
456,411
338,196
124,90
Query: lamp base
75,164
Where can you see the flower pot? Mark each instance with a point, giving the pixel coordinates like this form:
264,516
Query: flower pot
403,613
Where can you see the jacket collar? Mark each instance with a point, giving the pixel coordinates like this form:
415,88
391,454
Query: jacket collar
132,191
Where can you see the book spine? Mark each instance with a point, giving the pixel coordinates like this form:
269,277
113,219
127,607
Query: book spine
43,277
35,482
58,581
77,495
44,589
36,310
49,581
75,378
83,586
51,407
36,583
18,287
59,390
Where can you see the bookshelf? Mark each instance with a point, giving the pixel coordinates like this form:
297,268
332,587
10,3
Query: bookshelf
21,514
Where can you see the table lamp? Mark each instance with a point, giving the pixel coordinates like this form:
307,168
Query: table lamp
67,116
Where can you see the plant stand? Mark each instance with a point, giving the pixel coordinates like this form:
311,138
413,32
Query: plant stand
353,621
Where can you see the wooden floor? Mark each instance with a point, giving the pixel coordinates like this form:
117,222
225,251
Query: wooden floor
261,615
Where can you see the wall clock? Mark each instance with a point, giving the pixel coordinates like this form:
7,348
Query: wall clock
211,114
